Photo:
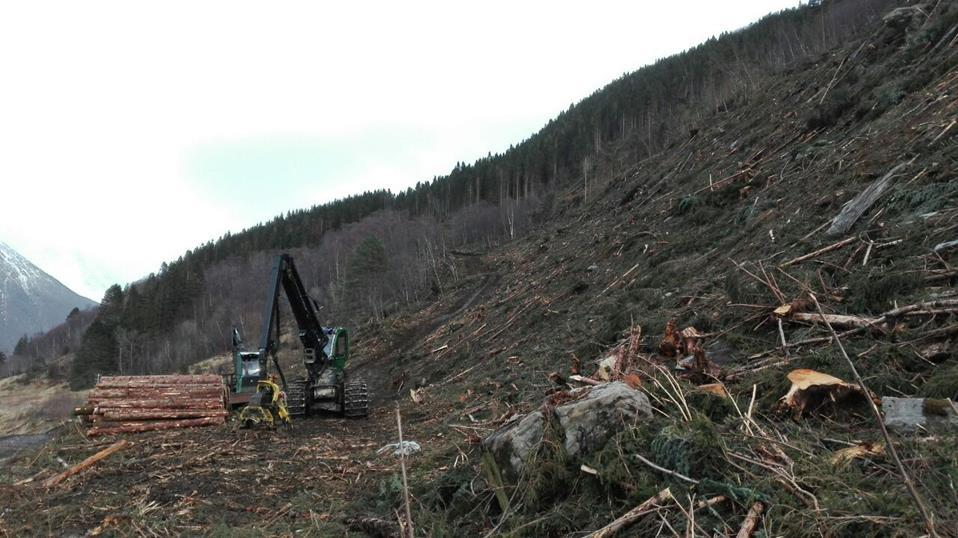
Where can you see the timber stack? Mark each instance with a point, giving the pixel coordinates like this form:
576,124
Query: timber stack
130,404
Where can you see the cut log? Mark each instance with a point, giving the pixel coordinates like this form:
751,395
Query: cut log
837,320
854,209
87,463
164,403
162,385
113,428
84,410
127,404
751,520
114,415
154,393
198,379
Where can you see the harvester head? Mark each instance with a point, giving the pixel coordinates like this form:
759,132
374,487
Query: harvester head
266,407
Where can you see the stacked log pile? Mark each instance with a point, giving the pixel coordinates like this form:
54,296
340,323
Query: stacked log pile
128,404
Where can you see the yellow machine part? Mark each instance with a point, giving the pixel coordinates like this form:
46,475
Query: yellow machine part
264,414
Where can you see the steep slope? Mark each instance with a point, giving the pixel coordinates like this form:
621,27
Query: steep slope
715,231
639,115
31,301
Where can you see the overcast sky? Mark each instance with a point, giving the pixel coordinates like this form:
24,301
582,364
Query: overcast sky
130,132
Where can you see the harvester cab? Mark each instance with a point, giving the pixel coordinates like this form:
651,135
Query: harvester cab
246,372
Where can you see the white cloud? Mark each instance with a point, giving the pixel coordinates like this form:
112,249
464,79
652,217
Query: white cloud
103,103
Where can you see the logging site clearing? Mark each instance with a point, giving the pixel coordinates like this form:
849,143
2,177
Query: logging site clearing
752,332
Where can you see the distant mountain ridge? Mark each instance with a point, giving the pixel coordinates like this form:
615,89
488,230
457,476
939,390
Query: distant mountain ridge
31,300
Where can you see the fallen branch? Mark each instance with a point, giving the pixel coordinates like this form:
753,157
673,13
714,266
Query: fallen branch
926,515
751,520
405,484
664,470
930,307
819,252
617,280
586,380
633,515
836,320
711,502
87,463
857,207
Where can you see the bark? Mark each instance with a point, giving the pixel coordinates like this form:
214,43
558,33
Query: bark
158,413
198,379
751,520
87,463
163,403
860,204
99,395
837,320
157,385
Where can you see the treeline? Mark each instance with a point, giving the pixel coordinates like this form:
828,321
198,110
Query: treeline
184,312
38,354
359,273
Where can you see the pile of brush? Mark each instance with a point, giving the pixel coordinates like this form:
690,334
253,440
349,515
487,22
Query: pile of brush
128,404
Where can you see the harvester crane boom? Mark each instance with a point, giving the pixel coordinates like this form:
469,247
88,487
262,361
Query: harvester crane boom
285,276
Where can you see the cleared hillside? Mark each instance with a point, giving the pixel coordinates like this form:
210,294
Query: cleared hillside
715,230
177,316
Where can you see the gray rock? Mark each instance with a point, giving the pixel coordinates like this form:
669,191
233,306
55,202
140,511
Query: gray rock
913,414
588,423
902,17
584,424
512,444
947,245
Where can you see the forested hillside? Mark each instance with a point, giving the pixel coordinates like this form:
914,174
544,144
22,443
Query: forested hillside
372,253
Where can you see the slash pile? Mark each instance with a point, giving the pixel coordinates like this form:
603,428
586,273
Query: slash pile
128,404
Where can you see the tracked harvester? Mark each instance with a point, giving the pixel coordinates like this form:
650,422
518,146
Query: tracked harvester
325,387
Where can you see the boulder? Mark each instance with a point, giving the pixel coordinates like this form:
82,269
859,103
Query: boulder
918,414
903,17
512,444
583,425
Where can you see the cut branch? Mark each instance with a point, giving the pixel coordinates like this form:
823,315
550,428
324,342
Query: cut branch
751,520
87,463
633,515
837,320
819,252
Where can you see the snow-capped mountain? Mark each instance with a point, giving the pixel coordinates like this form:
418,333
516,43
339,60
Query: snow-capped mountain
31,301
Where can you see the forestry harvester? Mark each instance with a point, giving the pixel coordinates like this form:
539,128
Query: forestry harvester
324,387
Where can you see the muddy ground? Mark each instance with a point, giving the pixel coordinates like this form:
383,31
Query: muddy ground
206,481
